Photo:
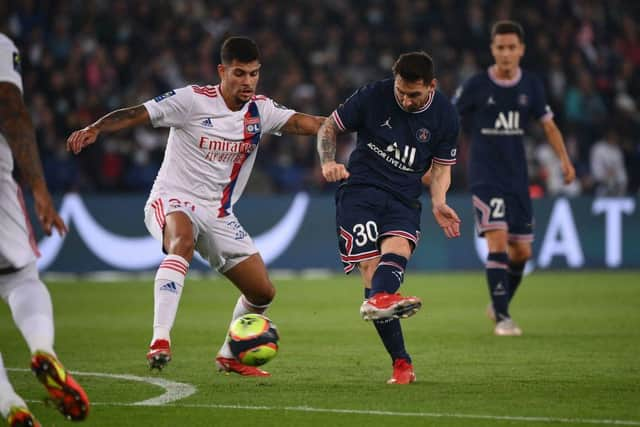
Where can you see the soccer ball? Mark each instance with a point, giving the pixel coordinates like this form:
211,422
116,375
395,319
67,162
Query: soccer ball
253,339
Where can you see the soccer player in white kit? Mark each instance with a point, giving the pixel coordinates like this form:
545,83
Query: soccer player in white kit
213,142
20,284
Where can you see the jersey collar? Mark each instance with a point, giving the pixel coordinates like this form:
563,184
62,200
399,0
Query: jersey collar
426,105
491,71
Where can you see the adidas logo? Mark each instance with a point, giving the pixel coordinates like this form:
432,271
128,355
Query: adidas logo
207,122
170,287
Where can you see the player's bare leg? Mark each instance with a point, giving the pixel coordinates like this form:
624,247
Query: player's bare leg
497,279
251,278
178,242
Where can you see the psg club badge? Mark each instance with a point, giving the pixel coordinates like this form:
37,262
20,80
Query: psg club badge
423,135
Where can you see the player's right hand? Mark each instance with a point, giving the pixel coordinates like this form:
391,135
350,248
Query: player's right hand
81,138
46,212
333,171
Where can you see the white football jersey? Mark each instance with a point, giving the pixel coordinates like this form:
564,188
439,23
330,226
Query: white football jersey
211,149
9,72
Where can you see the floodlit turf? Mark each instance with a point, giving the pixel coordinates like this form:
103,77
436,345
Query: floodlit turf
578,361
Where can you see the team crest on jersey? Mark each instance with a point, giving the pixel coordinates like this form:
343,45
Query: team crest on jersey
423,135
164,96
17,62
252,125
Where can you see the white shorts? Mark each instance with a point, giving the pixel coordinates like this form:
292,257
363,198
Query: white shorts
18,245
221,241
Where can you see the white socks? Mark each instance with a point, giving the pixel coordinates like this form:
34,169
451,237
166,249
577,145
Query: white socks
8,396
166,297
30,304
242,307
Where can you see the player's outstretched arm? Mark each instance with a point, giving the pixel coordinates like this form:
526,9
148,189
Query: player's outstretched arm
17,128
331,170
557,142
303,124
114,121
446,217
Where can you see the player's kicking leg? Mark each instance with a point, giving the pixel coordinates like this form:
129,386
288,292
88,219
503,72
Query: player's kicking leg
387,273
251,278
178,241
30,304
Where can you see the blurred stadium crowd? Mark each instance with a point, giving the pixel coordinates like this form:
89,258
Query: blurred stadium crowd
83,58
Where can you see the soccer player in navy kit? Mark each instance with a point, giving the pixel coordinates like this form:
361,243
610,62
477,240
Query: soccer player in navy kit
500,102
405,126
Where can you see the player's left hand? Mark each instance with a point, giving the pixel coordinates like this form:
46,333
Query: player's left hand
448,220
46,212
569,172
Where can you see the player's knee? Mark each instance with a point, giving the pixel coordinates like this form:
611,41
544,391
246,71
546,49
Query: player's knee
181,245
261,295
521,254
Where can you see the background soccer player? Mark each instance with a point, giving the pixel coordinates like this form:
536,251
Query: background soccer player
213,142
20,284
500,103
404,127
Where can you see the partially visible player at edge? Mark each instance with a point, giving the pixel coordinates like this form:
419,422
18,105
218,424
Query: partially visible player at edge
20,284
405,126
500,103
212,145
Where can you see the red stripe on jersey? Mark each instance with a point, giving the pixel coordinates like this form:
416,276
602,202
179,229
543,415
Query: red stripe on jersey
209,91
226,194
445,162
338,120
32,237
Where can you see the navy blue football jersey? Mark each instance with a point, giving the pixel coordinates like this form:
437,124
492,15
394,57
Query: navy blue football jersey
500,112
394,147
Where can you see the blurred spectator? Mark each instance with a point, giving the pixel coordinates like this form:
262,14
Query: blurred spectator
607,166
84,58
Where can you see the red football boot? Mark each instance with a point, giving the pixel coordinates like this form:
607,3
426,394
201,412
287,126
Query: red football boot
228,364
402,372
159,354
65,393
388,306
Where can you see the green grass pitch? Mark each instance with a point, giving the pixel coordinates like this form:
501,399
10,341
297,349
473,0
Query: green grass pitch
578,362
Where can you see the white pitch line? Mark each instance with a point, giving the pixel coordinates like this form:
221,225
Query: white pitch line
392,413
173,390
176,391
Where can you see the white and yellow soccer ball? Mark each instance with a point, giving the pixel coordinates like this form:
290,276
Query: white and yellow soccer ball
253,339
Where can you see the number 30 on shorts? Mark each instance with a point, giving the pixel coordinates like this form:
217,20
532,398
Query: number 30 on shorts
367,232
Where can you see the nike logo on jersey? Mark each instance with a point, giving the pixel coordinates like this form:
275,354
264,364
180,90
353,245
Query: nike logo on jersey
386,123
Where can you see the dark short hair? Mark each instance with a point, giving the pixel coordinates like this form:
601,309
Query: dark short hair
242,49
414,66
507,27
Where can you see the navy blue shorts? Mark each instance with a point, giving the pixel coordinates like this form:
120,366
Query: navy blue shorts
496,209
365,216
